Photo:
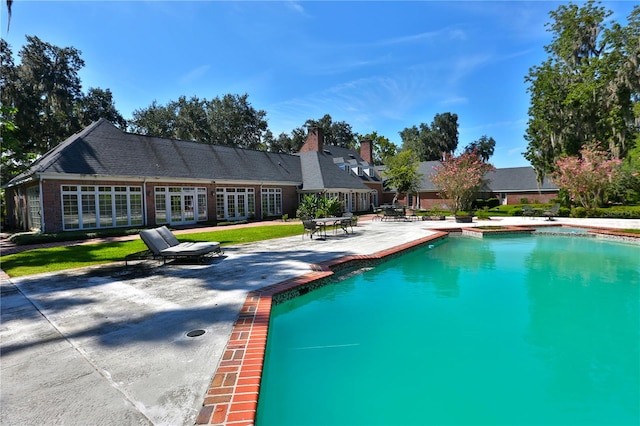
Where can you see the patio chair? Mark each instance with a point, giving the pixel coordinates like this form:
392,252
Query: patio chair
528,211
552,212
163,244
310,227
347,222
395,213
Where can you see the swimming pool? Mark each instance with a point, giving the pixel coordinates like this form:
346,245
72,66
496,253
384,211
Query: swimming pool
526,330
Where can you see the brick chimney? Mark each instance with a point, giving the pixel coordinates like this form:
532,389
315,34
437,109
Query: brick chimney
366,150
315,140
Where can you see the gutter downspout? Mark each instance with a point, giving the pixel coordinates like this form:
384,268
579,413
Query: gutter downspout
144,202
40,198
261,203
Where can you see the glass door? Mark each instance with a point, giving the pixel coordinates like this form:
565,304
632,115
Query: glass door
183,209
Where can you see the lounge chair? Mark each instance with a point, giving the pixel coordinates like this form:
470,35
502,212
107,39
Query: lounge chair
163,244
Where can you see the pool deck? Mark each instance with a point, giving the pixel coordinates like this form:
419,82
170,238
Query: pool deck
109,344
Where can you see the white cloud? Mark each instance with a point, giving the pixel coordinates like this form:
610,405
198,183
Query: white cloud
296,7
194,74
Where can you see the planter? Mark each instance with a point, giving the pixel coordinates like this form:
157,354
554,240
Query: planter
464,219
433,217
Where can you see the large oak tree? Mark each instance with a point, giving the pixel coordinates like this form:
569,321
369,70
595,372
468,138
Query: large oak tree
585,92
42,96
432,142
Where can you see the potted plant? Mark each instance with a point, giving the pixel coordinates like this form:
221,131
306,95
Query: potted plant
463,217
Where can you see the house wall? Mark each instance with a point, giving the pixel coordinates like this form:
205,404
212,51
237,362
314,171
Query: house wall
426,200
431,200
289,200
532,197
52,200
52,204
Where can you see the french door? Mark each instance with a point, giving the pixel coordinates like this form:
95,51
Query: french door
180,205
182,208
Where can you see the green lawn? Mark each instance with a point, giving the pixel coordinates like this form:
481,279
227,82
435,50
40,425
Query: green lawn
61,258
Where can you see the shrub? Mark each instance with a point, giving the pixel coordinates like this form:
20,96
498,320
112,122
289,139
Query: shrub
483,214
516,211
493,202
579,212
524,200
620,212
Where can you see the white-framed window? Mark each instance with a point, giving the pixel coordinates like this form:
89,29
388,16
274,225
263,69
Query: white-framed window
356,170
332,195
363,201
33,206
90,206
271,201
235,203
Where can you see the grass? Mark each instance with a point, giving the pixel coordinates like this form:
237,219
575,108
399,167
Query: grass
631,231
61,258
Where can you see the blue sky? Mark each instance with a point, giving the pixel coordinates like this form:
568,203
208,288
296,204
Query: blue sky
378,65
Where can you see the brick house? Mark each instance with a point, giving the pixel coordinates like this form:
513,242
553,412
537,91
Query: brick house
510,185
103,177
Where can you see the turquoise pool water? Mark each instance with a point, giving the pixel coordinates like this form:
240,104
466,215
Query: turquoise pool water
540,330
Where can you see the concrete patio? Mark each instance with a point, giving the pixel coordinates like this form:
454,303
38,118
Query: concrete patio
108,345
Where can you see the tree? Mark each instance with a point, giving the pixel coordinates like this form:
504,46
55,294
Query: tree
98,103
234,122
230,120
45,91
402,174
586,90
587,177
45,94
155,120
483,147
337,133
12,158
435,141
459,179
383,148
286,143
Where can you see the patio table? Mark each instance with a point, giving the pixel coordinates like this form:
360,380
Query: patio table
324,221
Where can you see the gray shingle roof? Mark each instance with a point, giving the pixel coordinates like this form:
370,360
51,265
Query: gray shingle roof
319,173
517,179
102,149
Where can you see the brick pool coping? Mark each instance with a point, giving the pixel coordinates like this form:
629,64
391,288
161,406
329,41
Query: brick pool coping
232,396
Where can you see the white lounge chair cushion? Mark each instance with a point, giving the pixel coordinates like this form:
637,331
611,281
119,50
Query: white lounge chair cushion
191,249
